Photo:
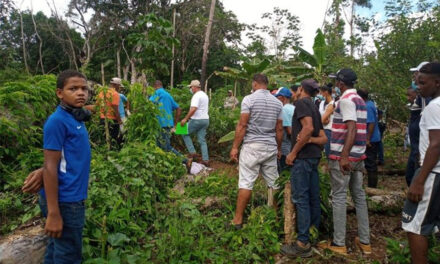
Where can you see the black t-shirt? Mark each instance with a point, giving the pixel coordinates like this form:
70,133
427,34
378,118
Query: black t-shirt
305,107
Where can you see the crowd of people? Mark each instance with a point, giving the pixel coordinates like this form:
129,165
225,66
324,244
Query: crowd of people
288,130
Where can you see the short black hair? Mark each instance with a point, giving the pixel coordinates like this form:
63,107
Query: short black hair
65,75
294,88
363,94
432,68
326,88
260,78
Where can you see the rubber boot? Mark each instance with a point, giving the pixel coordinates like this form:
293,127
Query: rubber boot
372,179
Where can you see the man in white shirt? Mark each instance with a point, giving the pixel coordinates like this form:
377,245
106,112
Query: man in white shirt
198,121
421,212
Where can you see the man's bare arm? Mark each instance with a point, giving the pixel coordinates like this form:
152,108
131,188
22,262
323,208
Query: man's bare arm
279,133
240,131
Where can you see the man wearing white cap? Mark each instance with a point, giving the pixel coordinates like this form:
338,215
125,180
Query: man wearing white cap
198,121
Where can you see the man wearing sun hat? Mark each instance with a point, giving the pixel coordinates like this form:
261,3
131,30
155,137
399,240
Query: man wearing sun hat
198,121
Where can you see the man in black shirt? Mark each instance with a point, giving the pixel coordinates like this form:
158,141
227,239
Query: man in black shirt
308,137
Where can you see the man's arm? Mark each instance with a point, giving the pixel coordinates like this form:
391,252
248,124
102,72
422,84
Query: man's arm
279,135
326,117
319,140
191,112
370,132
304,137
432,156
33,182
54,221
240,131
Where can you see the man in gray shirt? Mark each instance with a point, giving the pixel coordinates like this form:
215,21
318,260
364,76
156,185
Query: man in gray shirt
261,130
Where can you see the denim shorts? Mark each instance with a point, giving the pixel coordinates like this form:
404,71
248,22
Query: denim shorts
67,248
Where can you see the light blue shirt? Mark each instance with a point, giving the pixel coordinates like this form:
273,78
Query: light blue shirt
122,101
166,105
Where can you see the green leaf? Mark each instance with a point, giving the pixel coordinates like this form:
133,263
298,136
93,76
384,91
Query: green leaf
320,48
228,137
117,239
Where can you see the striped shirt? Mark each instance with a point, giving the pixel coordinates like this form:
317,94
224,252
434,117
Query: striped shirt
350,107
264,109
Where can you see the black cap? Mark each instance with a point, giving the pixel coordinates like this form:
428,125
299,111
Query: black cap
347,76
310,86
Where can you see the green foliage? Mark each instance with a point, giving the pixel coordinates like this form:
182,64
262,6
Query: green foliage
24,105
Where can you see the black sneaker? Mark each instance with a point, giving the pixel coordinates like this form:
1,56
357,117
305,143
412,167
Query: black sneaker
294,250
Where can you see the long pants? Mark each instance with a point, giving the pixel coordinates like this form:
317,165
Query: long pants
371,164
411,166
381,152
304,179
198,127
340,183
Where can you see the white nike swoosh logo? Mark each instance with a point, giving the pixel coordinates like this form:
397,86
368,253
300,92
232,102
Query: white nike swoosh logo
78,127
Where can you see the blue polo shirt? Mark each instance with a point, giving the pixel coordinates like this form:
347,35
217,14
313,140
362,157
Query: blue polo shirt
372,118
64,133
166,105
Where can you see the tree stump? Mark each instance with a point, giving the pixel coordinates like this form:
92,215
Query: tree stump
289,215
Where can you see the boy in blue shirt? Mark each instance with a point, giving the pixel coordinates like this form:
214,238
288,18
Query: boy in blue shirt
65,173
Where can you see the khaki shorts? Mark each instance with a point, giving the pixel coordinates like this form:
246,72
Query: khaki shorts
256,158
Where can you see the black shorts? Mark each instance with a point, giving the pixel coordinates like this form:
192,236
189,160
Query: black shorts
423,218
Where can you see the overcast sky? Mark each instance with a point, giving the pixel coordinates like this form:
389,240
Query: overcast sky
310,12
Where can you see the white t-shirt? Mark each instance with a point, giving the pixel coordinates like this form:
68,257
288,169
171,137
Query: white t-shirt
322,109
201,101
430,121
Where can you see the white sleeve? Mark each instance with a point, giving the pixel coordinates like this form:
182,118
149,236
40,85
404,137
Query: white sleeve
245,106
195,101
432,116
348,110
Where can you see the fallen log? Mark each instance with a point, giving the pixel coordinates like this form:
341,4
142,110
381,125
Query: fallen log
25,246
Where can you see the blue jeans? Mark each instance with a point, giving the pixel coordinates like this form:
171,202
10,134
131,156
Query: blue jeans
304,180
164,141
199,127
68,248
328,133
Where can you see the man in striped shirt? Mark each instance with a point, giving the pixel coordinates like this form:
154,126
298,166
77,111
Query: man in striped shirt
347,154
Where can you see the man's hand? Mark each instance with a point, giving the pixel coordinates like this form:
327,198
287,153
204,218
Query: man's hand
279,154
173,130
415,192
54,225
33,182
298,138
234,154
183,122
290,158
344,164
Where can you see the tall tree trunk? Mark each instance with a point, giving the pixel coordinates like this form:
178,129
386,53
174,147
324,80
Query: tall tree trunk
23,44
133,71
173,51
351,28
102,74
118,62
40,61
125,71
289,215
206,44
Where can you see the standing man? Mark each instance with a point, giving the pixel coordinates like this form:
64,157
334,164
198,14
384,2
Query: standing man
198,121
421,212
284,96
347,152
231,101
109,109
308,137
382,129
261,130
167,106
373,139
414,133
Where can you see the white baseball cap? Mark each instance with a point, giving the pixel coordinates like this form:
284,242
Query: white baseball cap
194,83
416,69
116,80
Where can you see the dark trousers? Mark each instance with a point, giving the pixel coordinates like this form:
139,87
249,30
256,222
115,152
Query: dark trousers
66,249
113,129
411,166
381,152
304,179
371,163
